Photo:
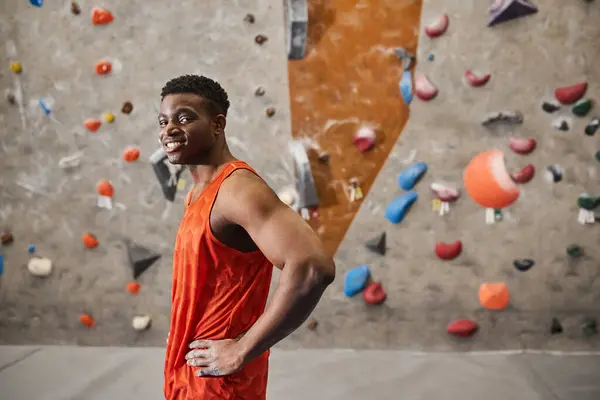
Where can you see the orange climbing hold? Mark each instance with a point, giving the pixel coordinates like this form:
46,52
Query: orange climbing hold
131,154
90,241
87,320
133,287
105,188
92,125
494,296
101,16
103,67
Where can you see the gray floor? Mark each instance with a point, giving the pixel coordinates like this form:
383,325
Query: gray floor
91,373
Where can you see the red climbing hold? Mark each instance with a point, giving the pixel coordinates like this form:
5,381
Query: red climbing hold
364,138
90,241
101,16
438,27
462,328
476,80
524,175
424,89
92,125
570,94
521,146
448,251
133,287
105,188
374,293
445,192
131,154
87,320
103,67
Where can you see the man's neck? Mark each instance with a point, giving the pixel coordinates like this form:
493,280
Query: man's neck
205,172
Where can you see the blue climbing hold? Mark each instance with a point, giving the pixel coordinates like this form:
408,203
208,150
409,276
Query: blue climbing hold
45,107
356,280
406,86
411,175
37,3
1,264
31,248
430,57
397,209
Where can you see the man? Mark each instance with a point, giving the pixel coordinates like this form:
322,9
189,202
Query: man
234,230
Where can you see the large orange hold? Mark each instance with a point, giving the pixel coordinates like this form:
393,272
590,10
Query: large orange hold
488,182
494,296
90,241
101,16
131,154
87,320
105,188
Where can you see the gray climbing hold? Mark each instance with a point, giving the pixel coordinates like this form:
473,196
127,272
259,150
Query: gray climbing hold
167,174
305,183
140,258
377,244
506,10
507,117
554,173
296,18
555,327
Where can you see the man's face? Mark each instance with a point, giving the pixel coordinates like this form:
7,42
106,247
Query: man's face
187,130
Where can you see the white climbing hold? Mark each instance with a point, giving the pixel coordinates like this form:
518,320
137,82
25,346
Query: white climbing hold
424,89
437,27
105,202
71,161
586,216
39,266
141,322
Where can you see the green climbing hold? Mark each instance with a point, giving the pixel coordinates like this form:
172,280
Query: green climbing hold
588,202
574,251
597,156
589,327
582,107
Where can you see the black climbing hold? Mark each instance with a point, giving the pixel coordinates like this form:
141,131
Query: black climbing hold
377,244
140,258
524,264
589,327
260,39
260,91
555,327
592,127
574,251
166,173
249,18
550,107
597,156
75,9
588,202
12,100
554,173
561,124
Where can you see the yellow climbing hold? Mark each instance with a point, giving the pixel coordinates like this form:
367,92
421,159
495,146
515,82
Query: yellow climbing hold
181,184
16,67
109,117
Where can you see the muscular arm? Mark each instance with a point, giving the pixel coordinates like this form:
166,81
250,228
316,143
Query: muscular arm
291,245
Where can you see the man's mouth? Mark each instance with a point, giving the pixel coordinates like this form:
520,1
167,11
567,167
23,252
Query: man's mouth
173,145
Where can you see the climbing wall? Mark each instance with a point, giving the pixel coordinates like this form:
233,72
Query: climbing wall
550,305
64,79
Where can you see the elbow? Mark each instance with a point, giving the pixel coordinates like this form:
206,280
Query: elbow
323,273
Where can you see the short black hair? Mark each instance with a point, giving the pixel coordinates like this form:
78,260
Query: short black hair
211,91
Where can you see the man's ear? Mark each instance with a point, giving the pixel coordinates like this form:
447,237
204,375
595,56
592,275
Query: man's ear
219,123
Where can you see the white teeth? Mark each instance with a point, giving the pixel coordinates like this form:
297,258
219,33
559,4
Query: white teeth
172,145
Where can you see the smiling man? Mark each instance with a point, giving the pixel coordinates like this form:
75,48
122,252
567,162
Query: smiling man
234,230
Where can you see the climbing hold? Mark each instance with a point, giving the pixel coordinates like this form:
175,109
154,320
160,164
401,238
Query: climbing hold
75,9
555,327
89,241
494,296
377,244
45,107
127,108
589,327
406,86
92,125
448,251
87,320
39,266
592,127
561,124
105,193
16,67
364,138
141,322
462,328
356,280
574,251
597,156
133,287
101,16
270,111
103,67
476,80
31,248
409,177
588,202
424,89
108,117
167,174
1,264
488,182
374,293
554,173
37,3
430,57
437,27
570,94
140,258
506,117
550,107
260,91
444,192
521,146
398,208
6,237
12,100
524,264
131,154
506,10
524,175
355,190
312,324
582,107
249,18
260,39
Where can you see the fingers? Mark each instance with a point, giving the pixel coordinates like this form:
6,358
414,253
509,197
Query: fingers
200,344
208,372
198,353
198,362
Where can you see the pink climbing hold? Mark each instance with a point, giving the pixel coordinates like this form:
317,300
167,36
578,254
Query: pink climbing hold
424,89
570,94
524,175
448,251
445,192
438,27
521,145
364,138
462,328
374,293
476,80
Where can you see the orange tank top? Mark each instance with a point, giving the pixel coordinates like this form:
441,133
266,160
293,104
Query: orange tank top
217,293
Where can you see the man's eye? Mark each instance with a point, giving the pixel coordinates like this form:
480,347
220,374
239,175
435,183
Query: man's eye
183,120
162,123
